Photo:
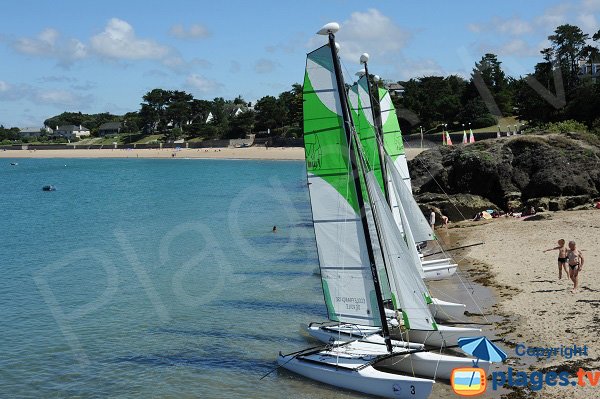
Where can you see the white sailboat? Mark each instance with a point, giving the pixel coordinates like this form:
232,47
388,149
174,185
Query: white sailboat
398,166
344,243
406,289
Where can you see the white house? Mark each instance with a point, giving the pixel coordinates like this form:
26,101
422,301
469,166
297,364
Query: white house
71,131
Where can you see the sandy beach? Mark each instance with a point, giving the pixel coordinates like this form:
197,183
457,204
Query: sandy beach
538,309
272,153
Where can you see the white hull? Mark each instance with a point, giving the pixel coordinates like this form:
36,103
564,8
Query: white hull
447,311
349,369
445,335
429,364
435,270
426,364
441,310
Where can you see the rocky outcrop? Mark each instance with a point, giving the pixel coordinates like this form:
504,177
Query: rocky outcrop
548,172
455,206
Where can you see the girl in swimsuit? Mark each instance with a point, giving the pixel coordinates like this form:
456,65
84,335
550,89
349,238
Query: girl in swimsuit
562,257
575,258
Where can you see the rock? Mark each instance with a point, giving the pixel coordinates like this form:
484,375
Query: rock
578,200
537,170
455,206
539,203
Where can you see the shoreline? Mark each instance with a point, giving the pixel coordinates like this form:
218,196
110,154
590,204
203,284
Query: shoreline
535,308
248,153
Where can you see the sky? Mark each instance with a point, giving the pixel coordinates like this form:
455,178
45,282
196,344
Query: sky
103,56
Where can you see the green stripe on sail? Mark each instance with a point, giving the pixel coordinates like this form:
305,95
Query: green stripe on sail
366,130
329,302
325,141
405,320
392,135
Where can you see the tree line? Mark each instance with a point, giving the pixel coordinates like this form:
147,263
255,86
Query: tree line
555,90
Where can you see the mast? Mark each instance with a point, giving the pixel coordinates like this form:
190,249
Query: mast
364,58
356,178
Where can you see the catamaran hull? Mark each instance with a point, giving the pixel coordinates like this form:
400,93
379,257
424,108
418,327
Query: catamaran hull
447,311
445,335
426,364
367,380
438,272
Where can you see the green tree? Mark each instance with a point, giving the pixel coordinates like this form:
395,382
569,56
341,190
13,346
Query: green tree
568,43
270,113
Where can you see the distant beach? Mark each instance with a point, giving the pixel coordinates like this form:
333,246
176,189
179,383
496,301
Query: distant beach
271,153
538,309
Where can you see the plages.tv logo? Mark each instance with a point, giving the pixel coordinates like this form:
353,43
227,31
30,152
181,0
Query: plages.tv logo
471,381
468,381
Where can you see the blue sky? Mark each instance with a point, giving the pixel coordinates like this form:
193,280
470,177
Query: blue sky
103,56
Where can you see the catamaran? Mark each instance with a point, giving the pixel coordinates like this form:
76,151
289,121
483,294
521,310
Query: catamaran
344,237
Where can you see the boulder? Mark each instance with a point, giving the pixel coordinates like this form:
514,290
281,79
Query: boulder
455,206
536,170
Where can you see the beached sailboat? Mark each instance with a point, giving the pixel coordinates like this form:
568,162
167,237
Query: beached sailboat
391,136
346,257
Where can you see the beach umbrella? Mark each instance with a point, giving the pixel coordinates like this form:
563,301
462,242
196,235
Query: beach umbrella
464,137
443,138
471,136
482,348
448,139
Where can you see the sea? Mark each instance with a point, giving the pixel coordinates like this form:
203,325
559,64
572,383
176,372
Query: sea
156,278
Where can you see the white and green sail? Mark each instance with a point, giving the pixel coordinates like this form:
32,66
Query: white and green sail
419,227
346,276
392,135
404,270
362,117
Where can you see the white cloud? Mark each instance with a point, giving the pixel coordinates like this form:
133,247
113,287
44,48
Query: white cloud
369,31
590,5
50,44
518,47
59,98
195,31
419,68
265,66
514,26
118,41
202,84
475,28
588,23
553,16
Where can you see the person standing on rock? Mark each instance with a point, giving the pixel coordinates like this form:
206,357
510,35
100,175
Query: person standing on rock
432,219
575,258
562,257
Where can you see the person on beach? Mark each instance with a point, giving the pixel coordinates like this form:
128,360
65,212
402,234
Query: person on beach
432,219
575,259
445,220
562,257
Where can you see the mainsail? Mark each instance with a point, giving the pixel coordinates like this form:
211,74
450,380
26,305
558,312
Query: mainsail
392,135
403,268
346,275
419,226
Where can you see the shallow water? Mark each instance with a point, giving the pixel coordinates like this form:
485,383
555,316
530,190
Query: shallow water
156,278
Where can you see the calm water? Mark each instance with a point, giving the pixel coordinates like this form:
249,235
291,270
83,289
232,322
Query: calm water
159,278
155,278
